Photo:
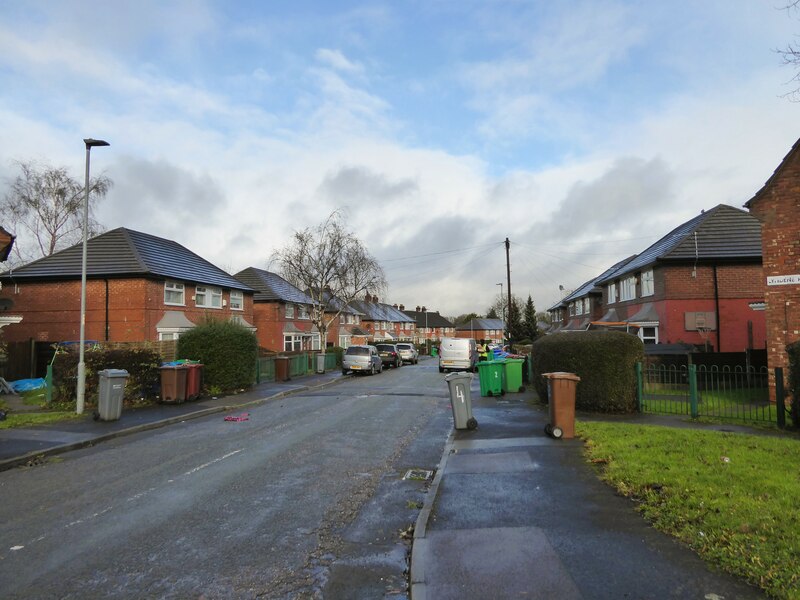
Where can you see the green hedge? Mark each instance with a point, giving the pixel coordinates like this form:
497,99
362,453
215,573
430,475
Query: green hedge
141,364
227,351
604,360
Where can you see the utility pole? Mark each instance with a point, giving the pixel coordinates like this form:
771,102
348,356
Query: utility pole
508,275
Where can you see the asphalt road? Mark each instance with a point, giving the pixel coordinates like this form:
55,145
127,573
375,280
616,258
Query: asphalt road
303,500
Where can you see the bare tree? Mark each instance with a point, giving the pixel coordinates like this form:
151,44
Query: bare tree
332,266
791,56
44,206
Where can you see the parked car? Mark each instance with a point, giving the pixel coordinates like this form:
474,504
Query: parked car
390,355
408,353
457,354
361,359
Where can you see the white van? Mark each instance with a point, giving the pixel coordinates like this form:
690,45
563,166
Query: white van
457,354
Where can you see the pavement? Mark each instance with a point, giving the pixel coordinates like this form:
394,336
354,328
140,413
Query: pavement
513,513
27,445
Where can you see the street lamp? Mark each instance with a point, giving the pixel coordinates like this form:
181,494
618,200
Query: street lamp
90,143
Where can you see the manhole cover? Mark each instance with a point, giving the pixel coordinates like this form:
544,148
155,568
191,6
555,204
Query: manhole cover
418,475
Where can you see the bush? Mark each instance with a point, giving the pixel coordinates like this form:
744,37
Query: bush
227,351
604,360
142,365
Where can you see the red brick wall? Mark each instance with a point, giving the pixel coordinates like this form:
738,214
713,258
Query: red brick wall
778,209
51,310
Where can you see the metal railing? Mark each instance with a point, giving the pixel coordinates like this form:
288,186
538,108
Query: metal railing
299,364
727,393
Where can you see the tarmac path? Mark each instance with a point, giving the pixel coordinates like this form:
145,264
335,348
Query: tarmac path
303,499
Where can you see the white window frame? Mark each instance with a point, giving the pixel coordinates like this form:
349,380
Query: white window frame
207,297
344,341
173,287
289,310
648,283
627,289
237,300
612,293
292,343
642,327
168,336
303,312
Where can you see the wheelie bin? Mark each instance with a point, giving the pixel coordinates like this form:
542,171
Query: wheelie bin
194,380
173,383
111,392
561,402
491,376
513,372
282,368
461,400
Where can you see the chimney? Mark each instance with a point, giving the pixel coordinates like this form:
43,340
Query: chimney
424,309
394,306
402,307
375,299
418,309
367,297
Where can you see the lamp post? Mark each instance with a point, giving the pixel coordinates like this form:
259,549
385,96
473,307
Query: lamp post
81,392
503,304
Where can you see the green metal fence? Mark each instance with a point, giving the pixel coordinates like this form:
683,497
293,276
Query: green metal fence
726,393
299,365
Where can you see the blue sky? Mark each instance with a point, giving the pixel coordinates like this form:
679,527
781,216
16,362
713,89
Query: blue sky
582,131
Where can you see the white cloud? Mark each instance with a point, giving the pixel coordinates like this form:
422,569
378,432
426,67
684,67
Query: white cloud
337,60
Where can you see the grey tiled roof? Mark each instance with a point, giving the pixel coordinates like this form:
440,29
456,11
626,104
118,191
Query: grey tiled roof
125,252
591,286
434,319
377,311
482,324
723,233
272,287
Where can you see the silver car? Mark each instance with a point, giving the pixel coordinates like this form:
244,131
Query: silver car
408,353
361,359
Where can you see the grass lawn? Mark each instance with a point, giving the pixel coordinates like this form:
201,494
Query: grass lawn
733,498
26,419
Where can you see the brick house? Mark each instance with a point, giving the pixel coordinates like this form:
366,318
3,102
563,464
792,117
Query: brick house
579,308
483,329
6,243
282,312
383,322
695,285
777,207
430,325
139,288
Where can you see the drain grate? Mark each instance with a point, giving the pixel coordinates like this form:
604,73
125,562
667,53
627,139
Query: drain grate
418,475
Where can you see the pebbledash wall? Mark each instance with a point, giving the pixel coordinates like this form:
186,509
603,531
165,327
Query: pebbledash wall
131,308
777,207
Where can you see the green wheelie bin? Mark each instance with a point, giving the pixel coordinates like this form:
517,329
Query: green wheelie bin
513,379
491,376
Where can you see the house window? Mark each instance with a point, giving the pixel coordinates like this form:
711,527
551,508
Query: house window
167,336
344,341
302,311
648,334
237,300
647,283
587,306
612,293
571,309
341,319
208,297
292,343
628,288
290,311
173,293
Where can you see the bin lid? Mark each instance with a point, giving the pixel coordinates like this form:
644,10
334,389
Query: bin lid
457,375
561,375
113,373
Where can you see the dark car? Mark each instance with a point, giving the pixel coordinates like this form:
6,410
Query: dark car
390,355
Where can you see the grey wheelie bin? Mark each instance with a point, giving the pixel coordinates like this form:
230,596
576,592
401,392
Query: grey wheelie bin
111,391
461,400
